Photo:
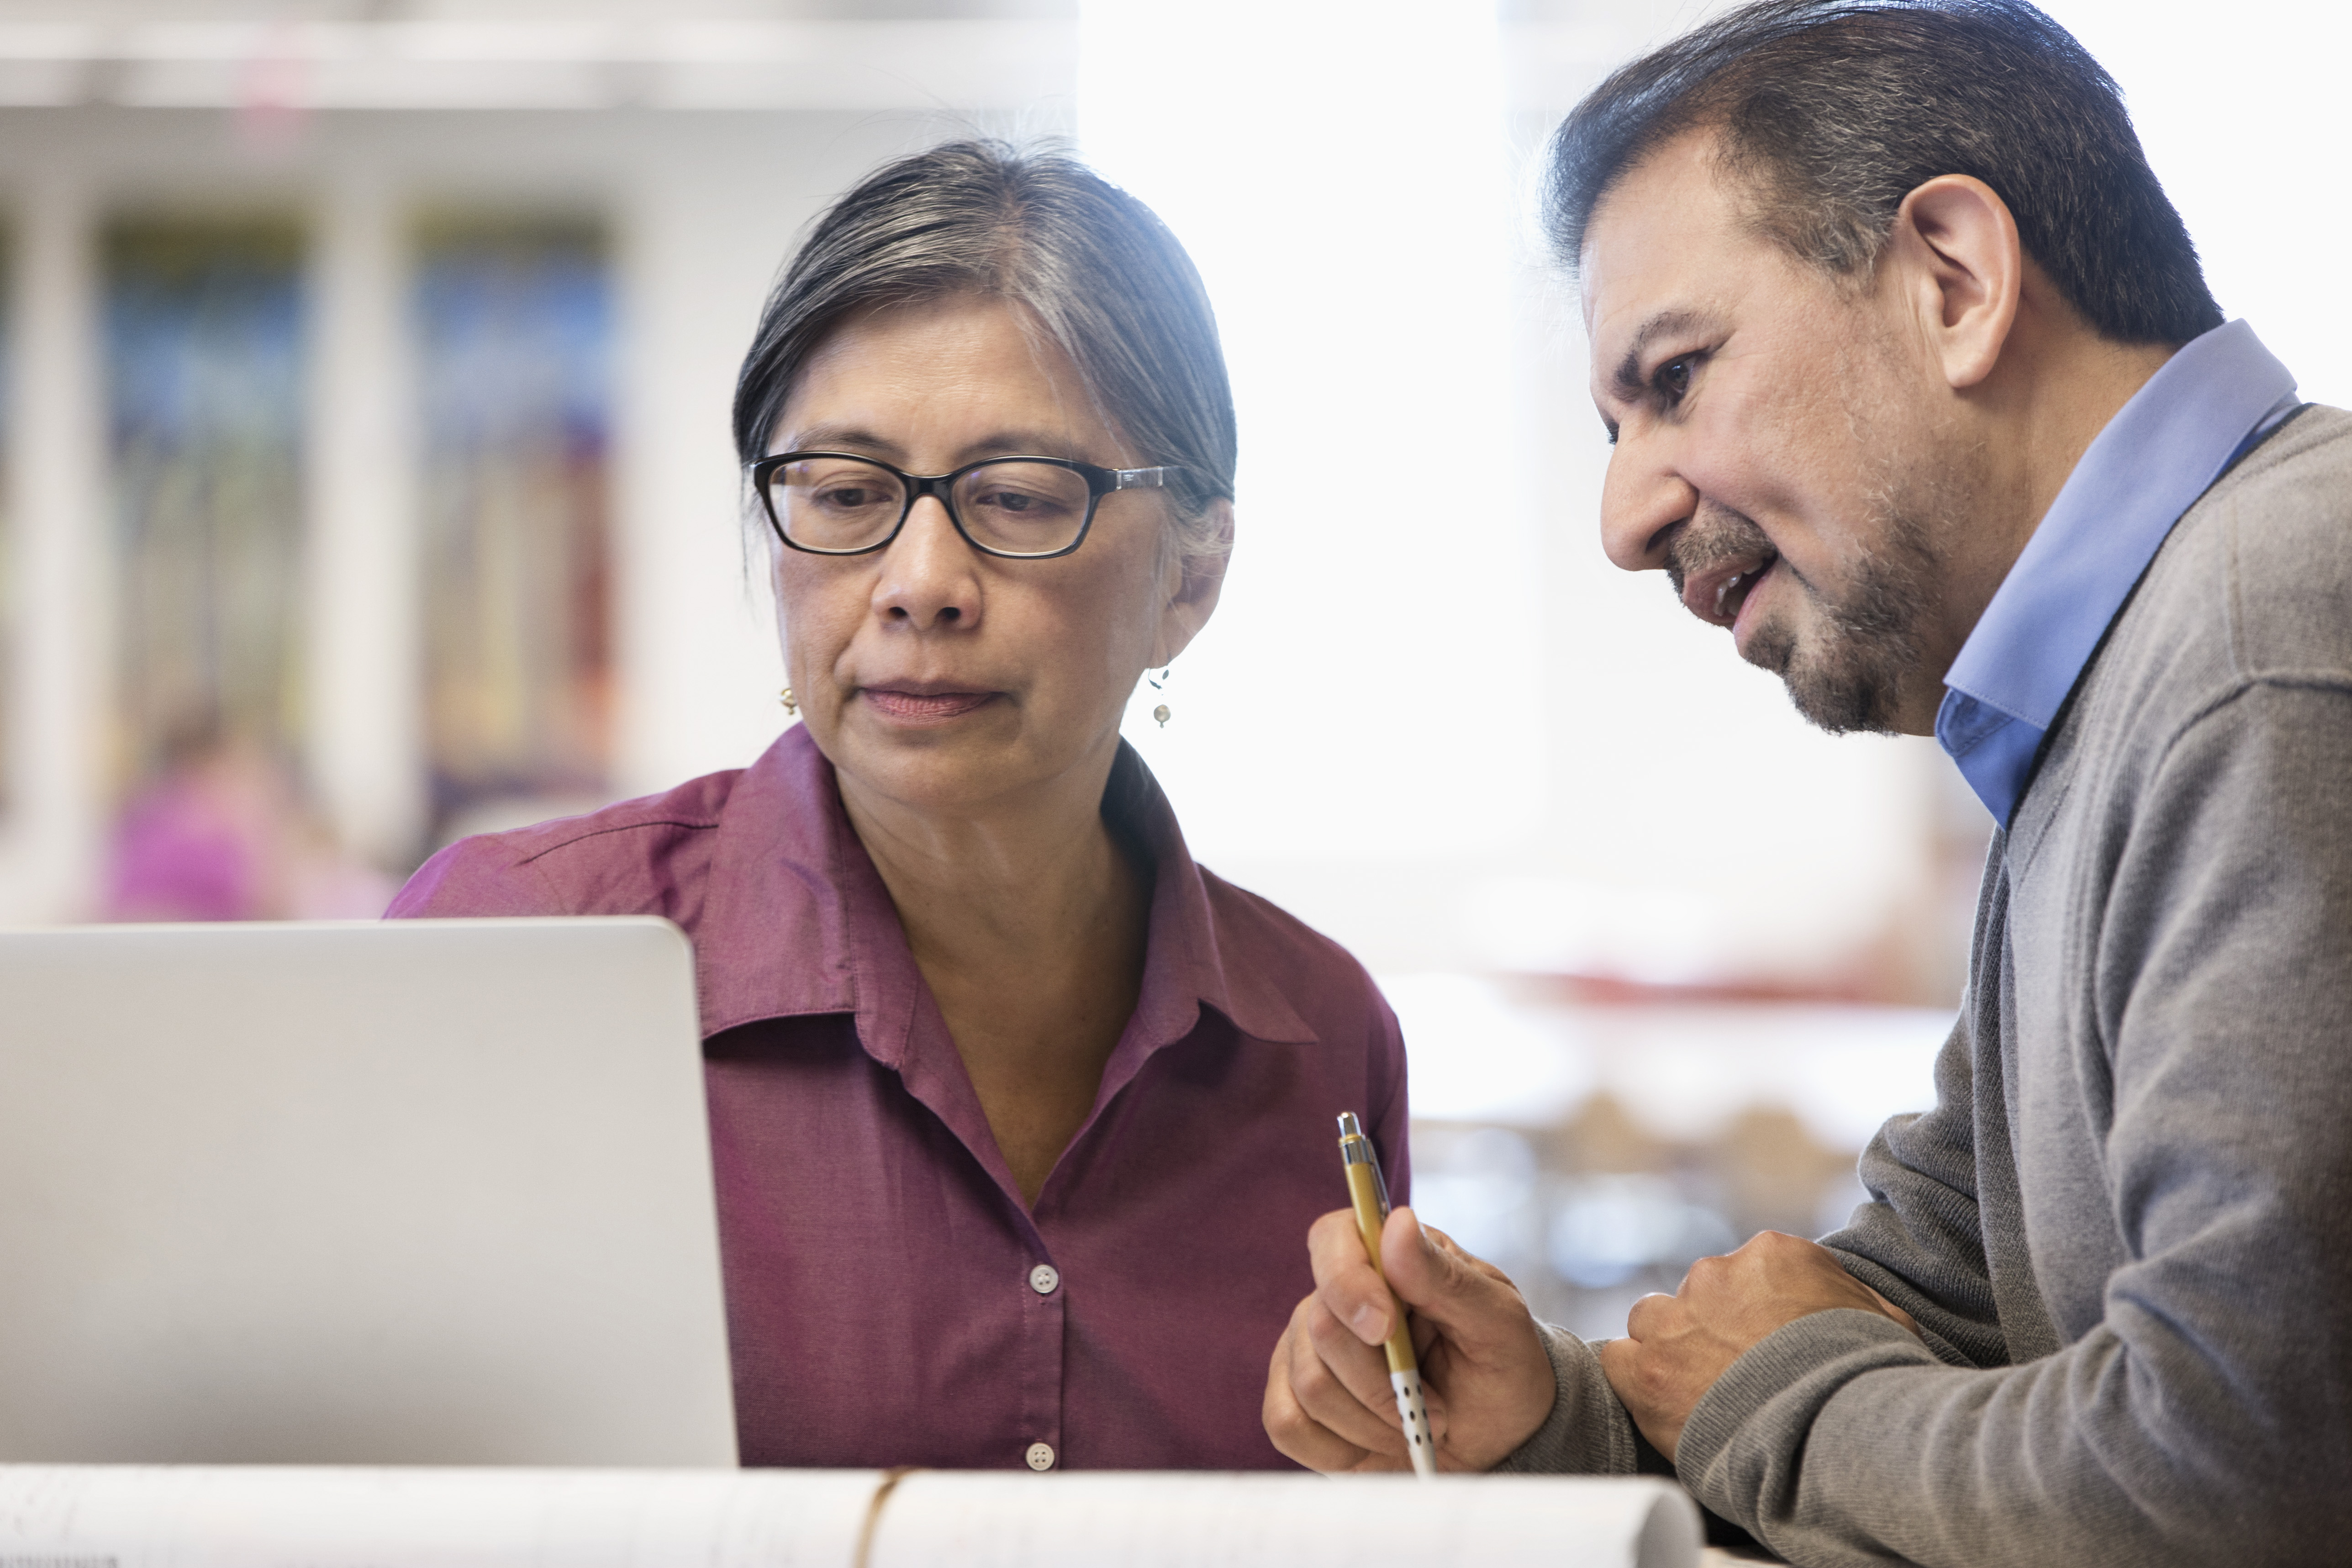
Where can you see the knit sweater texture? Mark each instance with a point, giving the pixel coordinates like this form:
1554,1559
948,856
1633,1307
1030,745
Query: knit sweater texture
2125,1227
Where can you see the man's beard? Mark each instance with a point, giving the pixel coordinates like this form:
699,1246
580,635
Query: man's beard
1864,644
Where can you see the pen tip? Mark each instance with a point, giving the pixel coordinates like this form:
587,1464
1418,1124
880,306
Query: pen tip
1349,1126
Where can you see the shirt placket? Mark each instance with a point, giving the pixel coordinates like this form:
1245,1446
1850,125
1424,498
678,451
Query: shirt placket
1042,1364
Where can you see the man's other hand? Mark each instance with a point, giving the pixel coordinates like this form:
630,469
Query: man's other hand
1676,1346
1484,1373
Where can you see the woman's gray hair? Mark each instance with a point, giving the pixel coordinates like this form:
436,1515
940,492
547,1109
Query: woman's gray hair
1102,275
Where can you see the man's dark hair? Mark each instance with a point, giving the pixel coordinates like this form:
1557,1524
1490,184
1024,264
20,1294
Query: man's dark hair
1832,111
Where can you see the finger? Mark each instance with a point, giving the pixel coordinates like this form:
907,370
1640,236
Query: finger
1469,1261
1617,1362
1344,1280
1344,1383
1648,1316
1622,1365
1473,1304
1296,1433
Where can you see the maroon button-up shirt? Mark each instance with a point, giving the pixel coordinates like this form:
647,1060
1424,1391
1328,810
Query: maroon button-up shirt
892,1301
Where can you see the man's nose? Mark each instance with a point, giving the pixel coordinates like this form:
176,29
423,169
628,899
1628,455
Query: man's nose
1642,501
929,575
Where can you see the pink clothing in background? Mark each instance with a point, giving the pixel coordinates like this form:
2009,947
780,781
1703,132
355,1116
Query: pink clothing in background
892,1301
182,853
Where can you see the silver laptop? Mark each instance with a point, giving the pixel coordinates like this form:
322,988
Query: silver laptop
429,1192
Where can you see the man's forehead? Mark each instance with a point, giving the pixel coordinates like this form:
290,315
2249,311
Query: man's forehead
1670,250
1668,226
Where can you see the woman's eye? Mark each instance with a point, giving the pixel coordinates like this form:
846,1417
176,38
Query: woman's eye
1015,503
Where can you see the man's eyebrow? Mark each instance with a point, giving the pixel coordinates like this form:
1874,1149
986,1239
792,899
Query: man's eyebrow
1627,382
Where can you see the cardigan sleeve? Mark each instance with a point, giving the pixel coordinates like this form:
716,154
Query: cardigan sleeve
2207,1416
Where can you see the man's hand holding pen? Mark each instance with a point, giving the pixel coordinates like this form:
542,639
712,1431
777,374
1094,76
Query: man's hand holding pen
1329,1402
1483,1372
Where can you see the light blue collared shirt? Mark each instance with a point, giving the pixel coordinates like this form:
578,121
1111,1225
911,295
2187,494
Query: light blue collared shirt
2161,451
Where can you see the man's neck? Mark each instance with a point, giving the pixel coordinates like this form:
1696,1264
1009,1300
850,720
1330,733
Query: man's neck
2027,427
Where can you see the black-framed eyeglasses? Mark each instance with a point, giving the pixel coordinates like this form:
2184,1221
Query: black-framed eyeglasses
1024,509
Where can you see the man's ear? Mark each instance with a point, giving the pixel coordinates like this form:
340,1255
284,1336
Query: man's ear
1199,580
1956,241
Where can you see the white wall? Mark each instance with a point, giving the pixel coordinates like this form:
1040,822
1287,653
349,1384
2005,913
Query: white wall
1640,803
2242,112
1429,716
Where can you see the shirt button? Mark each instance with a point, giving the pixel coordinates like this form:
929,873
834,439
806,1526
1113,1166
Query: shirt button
1041,1456
1042,1280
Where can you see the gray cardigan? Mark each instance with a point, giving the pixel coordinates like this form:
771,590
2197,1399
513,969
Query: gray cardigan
2126,1228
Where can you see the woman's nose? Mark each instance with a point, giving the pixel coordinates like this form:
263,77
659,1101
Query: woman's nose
1643,500
929,577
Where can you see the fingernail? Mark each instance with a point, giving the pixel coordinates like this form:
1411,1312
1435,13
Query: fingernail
1370,1323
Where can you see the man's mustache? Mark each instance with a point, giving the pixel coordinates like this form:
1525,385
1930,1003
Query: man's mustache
1714,537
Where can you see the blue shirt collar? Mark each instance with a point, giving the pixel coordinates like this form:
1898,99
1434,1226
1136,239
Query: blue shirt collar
2161,451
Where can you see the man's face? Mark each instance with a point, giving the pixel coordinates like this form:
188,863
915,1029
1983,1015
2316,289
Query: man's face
1776,445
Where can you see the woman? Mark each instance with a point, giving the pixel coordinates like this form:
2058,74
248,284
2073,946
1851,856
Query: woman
1017,1114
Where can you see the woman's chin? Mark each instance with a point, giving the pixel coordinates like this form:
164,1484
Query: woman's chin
977,764
947,766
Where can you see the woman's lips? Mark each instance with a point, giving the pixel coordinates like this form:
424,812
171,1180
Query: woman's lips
923,706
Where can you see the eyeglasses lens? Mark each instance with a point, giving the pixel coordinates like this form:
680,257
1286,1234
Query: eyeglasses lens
1022,509
836,503
842,505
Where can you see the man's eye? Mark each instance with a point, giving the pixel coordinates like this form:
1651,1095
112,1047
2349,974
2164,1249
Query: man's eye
1674,378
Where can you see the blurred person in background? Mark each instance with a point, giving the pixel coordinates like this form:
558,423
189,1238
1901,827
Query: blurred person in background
223,834
1016,1111
1915,387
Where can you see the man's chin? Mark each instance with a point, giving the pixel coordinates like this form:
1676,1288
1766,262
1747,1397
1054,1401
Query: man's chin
1846,688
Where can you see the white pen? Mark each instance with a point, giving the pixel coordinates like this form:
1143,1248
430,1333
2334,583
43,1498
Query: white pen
1369,1195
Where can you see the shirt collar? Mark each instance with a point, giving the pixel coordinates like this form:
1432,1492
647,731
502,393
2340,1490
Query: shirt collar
798,921
2160,452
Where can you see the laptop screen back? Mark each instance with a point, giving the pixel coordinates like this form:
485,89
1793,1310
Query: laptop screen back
432,1192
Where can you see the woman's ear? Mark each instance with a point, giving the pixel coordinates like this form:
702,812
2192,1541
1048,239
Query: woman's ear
1192,597
1957,240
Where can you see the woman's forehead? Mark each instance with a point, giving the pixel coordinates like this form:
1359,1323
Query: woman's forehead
970,371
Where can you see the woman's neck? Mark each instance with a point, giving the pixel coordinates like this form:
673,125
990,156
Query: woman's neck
1028,922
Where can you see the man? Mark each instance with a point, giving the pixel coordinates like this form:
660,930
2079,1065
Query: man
1916,388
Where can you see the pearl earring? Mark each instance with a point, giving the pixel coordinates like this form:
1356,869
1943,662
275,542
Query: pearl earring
792,704
1162,713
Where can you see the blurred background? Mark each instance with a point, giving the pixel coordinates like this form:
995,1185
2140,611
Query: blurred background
364,482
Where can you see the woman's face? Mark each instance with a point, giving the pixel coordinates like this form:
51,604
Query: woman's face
933,675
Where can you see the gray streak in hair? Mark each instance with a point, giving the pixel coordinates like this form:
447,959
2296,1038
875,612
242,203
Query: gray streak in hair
1101,275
